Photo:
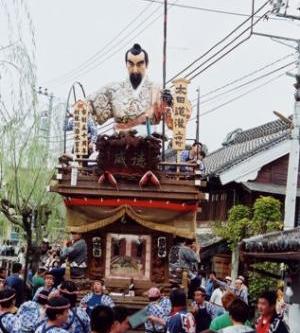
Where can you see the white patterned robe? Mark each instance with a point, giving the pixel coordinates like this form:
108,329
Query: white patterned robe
126,105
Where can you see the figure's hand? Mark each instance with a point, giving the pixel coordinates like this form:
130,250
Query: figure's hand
167,97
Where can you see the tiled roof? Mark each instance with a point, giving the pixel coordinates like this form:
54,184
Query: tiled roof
282,241
240,145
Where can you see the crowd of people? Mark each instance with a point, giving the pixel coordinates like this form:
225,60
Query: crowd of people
219,306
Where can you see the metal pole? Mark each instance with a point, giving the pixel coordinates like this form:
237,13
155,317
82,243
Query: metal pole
293,166
198,116
198,121
49,124
164,73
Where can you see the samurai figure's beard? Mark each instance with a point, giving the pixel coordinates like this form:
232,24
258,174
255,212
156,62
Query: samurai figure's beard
135,79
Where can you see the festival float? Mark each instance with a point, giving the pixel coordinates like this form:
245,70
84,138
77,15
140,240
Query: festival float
130,204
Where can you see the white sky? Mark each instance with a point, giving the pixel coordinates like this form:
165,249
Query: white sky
68,32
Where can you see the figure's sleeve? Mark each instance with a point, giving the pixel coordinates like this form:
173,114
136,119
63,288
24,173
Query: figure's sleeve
100,103
92,128
70,252
108,301
68,126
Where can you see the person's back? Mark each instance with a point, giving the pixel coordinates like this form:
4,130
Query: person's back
78,320
14,281
57,313
181,321
239,313
102,319
27,317
220,322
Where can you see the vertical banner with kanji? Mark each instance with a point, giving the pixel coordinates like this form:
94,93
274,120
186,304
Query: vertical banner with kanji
180,111
80,129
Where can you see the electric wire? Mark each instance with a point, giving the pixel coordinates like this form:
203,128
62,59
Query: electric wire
212,10
247,82
118,49
223,55
218,43
99,52
244,76
238,97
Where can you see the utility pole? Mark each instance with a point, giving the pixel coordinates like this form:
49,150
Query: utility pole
198,117
293,166
294,154
198,122
44,92
164,73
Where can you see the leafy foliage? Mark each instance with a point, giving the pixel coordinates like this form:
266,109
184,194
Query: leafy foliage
259,282
236,228
24,163
244,222
267,215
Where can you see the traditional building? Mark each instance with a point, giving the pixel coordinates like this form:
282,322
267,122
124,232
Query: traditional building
249,164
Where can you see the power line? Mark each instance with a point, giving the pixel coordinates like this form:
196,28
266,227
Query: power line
222,49
91,67
248,82
244,76
211,10
218,43
99,52
239,96
121,47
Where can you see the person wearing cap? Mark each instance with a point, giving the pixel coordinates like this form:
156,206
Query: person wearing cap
228,280
243,283
78,321
203,311
155,312
7,319
237,289
49,285
241,290
31,314
96,297
76,253
57,311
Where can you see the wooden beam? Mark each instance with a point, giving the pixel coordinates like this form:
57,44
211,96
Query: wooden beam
273,256
70,191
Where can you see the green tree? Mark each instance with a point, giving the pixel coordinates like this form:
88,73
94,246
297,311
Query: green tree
233,231
25,168
244,222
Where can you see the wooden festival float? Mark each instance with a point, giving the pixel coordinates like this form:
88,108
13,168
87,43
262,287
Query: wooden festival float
128,204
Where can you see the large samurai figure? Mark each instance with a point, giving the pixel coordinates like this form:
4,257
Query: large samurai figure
132,101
